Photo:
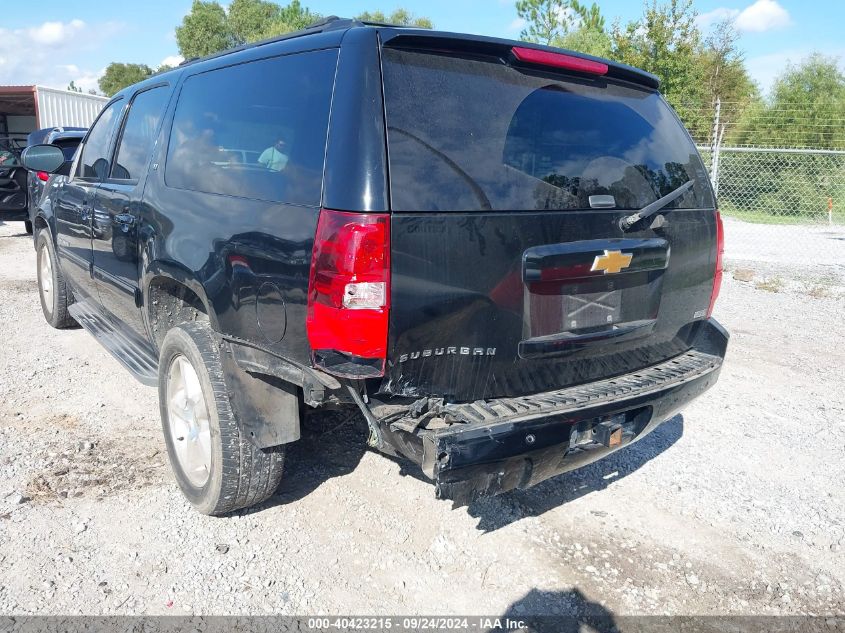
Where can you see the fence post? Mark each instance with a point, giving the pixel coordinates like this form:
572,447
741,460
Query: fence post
715,145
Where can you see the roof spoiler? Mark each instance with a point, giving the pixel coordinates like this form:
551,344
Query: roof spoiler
514,53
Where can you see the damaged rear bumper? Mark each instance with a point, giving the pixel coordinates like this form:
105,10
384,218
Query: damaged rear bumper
492,446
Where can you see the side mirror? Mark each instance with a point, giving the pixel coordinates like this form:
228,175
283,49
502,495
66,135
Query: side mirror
47,158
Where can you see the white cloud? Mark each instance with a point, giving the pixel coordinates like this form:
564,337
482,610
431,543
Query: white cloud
762,15
517,25
47,54
172,60
52,33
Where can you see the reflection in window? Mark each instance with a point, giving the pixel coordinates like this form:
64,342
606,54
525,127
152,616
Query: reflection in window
472,135
139,133
95,154
257,130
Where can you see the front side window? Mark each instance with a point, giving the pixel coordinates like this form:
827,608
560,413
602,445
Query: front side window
257,130
139,134
94,163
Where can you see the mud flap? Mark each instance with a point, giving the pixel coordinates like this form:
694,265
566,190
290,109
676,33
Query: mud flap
265,407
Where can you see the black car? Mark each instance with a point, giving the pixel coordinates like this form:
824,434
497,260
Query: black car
504,255
66,138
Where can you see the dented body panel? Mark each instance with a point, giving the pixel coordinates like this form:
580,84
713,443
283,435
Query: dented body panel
495,445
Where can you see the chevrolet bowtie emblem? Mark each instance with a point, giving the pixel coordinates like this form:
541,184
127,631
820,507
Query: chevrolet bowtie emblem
612,262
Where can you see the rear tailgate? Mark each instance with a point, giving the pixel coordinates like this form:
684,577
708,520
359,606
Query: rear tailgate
510,274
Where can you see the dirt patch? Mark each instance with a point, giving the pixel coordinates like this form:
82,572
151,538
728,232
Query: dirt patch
83,468
20,285
744,274
61,421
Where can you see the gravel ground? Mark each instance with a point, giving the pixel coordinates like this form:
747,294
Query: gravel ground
734,507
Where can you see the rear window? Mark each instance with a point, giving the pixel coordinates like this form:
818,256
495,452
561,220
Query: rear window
467,135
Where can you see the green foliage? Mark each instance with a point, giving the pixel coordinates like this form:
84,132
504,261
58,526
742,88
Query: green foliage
73,87
118,76
209,28
667,43
546,21
399,17
589,41
565,24
723,66
205,30
806,107
292,17
590,18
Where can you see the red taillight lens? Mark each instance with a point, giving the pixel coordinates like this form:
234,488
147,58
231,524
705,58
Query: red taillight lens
349,293
559,60
720,251
42,176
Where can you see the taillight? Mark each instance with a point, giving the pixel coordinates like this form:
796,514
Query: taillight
349,293
559,60
42,176
720,251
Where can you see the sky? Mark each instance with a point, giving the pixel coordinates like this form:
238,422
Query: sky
64,41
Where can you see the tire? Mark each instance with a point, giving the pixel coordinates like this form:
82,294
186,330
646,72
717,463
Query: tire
27,226
54,293
218,470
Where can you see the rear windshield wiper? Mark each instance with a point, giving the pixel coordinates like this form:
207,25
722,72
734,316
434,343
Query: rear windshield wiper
628,221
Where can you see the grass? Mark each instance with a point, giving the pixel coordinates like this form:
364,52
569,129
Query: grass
818,292
772,284
766,217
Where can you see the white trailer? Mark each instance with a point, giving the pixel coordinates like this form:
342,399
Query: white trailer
24,109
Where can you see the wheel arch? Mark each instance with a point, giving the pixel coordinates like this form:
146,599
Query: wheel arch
173,295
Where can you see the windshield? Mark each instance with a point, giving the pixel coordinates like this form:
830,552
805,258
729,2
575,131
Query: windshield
467,134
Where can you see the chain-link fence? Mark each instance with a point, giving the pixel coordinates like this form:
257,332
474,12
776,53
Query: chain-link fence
779,174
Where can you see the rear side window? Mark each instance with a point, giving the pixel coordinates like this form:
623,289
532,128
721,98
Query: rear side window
138,136
467,134
95,153
257,130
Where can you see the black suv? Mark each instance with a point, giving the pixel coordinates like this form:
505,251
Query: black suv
505,256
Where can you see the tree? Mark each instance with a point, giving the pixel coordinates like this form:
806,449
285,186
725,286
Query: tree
590,36
204,30
73,87
667,43
590,18
209,28
118,76
399,17
245,19
725,79
566,24
292,17
546,21
807,102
